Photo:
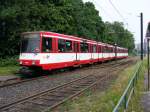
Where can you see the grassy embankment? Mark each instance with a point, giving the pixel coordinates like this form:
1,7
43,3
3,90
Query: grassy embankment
104,101
8,66
135,105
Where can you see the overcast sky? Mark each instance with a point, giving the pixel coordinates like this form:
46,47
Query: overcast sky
129,9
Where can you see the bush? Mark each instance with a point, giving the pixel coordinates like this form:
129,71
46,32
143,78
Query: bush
9,61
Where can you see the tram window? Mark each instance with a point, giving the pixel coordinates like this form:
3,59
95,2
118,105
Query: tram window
46,44
94,49
148,27
68,46
105,49
110,49
102,49
61,45
99,49
91,48
76,47
84,47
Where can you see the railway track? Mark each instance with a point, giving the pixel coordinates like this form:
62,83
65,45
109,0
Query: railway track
15,81
51,98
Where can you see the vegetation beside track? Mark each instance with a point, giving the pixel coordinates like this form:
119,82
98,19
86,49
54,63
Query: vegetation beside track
8,70
135,105
103,101
8,66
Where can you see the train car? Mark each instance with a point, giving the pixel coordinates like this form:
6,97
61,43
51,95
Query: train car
49,51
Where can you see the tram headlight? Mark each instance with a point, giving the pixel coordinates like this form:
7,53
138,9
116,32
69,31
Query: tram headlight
20,62
33,62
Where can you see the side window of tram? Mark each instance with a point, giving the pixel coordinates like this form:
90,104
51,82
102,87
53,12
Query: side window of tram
94,48
99,49
46,44
76,47
68,46
61,45
84,47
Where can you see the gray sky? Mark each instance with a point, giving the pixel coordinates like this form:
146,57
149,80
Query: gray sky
129,9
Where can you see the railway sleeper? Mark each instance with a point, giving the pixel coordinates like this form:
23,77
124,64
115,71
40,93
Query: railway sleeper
88,82
23,107
59,93
66,91
50,101
37,102
54,95
85,85
74,90
31,107
78,87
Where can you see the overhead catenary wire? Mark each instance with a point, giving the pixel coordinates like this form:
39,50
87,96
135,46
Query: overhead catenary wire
105,12
117,11
108,15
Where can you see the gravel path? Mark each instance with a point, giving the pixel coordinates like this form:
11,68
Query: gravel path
14,93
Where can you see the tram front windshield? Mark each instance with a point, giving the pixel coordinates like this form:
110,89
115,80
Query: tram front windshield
30,43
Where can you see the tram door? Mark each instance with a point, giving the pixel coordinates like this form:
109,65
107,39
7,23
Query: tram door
76,50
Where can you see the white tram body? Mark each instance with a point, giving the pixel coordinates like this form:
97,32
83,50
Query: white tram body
49,50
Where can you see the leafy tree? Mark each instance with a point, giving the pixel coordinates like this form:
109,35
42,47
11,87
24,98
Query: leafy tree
63,16
116,33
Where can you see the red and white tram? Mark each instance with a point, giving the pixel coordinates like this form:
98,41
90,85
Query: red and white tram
48,51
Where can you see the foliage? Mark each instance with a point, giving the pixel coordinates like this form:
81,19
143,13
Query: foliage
64,16
116,33
135,102
9,61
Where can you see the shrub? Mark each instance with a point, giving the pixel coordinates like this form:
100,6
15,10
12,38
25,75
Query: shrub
9,61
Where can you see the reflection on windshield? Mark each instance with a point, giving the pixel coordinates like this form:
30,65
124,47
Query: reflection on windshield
30,43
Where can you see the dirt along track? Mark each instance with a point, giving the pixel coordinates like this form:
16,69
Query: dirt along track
54,97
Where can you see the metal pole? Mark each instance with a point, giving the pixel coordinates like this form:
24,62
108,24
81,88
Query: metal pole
148,61
141,16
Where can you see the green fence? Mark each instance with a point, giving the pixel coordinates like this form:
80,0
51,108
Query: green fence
126,96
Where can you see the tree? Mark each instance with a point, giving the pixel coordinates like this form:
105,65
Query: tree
116,33
71,17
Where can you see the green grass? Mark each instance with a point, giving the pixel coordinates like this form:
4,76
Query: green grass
135,105
8,65
101,101
8,70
